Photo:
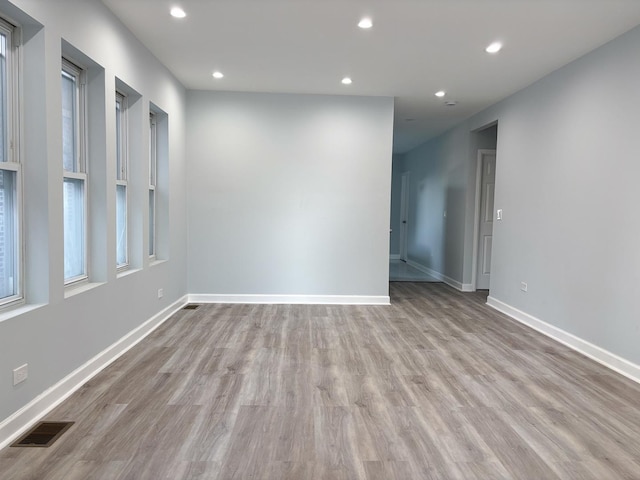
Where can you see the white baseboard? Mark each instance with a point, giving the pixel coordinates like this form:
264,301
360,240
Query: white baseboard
600,355
427,270
463,287
394,256
291,299
24,418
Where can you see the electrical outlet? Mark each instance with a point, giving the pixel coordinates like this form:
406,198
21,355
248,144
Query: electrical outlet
20,374
160,293
523,286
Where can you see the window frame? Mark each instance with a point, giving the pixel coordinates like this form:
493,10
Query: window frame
13,153
80,172
122,171
153,175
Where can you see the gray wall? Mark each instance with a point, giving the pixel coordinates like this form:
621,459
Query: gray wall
53,334
289,194
567,181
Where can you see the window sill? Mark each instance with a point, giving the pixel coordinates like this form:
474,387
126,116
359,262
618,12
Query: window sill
127,272
17,310
73,290
155,262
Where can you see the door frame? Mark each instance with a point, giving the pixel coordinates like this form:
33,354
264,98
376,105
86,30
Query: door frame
476,222
404,215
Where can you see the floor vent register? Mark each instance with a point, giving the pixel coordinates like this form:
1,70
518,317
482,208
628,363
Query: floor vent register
43,434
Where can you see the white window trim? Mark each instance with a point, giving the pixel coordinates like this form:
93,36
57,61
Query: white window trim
79,73
122,176
124,146
125,265
153,180
13,34
80,161
83,278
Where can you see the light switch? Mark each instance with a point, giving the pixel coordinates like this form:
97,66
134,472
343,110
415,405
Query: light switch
499,214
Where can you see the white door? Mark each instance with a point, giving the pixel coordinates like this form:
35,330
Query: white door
404,216
485,230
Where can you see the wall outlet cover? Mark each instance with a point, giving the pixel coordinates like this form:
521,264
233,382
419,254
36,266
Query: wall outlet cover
20,374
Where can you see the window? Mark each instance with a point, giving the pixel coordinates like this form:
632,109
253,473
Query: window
153,168
122,251
75,173
10,171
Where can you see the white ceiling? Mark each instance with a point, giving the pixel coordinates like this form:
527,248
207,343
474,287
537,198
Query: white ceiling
415,48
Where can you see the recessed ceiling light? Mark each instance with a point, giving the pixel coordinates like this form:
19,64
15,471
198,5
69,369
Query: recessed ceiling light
495,47
441,93
346,81
451,103
217,75
365,23
177,12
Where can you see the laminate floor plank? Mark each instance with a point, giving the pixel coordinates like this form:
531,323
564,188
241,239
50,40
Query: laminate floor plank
193,471
435,386
509,448
210,437
390,470
338,445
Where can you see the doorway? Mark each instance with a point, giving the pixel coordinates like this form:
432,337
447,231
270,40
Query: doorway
404,216
485,189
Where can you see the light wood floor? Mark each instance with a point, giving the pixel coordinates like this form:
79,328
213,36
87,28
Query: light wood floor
436,386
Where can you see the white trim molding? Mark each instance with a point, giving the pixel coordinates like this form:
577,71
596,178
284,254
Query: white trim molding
291,299
20,421
463,287
427,270
598,354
